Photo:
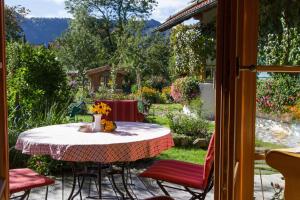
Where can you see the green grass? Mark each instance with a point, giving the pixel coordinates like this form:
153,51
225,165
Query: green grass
188,155
158,113
164,109
161,120
84,118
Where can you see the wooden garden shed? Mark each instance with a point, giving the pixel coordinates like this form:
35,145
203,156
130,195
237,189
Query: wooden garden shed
101,76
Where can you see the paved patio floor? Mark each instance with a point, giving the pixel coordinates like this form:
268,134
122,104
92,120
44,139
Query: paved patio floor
142,189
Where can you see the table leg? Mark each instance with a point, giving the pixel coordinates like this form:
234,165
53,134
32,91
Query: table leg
114,183
74,182
125,181
100,180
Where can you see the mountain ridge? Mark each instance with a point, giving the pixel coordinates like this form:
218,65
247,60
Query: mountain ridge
42,31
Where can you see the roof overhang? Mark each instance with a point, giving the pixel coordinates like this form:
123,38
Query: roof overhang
191,11
103,69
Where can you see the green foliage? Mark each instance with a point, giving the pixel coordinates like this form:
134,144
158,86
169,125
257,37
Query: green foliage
144,55
281,48
37,92
273,12
192,46
149,97
166,95
182,124
195,106
79,49
35,78
275,95
13,17
156,82
56,114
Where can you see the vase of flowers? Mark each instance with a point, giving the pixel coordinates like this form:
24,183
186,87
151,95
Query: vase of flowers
99,109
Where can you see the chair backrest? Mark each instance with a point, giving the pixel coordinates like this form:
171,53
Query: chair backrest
122,110
209,161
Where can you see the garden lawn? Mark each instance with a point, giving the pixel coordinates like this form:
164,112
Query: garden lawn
158,113
192,155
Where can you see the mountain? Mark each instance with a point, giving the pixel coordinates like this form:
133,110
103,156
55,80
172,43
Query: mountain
45,30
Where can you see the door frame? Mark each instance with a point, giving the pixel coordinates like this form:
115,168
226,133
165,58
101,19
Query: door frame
237,33
4,160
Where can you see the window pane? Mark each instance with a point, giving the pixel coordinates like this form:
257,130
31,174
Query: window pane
277,124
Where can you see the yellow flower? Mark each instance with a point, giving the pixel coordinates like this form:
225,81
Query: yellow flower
109,126
100,108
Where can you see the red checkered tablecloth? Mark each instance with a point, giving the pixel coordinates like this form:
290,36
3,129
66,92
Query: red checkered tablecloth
131,141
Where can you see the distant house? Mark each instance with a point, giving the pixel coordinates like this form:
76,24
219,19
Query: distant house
101,76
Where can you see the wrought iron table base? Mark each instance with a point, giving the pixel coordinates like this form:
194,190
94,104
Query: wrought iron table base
124,172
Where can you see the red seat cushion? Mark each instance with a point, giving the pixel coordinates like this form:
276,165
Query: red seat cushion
178,172
183,173
25,179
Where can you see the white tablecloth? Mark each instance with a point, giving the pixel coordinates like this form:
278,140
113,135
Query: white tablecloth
130,142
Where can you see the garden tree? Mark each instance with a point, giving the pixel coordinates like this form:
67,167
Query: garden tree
191,46
281,48
79,49
144,54
273,12
13,17
35,79
156,71
113,14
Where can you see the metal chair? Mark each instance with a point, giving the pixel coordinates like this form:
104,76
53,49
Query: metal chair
23,180
190,176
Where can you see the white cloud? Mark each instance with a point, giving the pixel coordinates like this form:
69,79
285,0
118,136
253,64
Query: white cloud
166,8
59,2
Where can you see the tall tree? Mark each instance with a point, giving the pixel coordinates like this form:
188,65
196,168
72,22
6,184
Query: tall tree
144,54
13,19
79,49
114,14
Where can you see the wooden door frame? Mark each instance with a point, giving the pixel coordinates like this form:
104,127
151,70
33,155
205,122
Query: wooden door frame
3,110
237,32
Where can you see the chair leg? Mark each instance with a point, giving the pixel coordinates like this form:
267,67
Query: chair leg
25,195
47,189
162,188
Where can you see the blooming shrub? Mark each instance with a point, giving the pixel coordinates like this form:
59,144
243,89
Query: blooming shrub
176,91
295,110
166,94
149,97
278,94
183,90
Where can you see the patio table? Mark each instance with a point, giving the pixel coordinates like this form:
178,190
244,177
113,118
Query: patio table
130,142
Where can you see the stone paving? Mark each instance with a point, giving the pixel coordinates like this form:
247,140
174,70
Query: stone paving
140,191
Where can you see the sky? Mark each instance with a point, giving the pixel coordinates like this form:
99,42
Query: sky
55,8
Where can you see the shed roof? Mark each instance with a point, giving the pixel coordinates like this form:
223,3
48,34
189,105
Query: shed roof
192,10
103,69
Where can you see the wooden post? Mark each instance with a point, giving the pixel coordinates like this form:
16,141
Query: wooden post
235,99
3,110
